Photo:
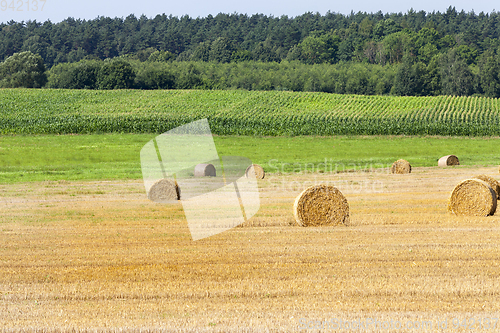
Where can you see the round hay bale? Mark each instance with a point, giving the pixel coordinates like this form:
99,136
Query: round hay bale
321,205
164,190
401,167
472,197
255,171
204,170
448,160
491,181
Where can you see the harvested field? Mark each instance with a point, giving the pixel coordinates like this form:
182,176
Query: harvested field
90,255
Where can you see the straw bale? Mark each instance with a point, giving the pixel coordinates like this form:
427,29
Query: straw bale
321,205
472,197
204,170
401,167
448,160
164,190
491,181
255,171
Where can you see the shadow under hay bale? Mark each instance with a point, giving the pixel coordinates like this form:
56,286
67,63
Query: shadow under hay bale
204,170
448,160
255,171
164,191
491,181
473,197
401,167
321,205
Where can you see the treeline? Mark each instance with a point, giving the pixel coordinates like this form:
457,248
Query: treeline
447,74
344,78
417,53
310,38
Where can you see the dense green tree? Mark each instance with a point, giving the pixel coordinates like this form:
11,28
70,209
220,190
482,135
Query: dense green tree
319,48
432,78
76,55
346,50
426,36
189,78
427,52
37,45
366,27
410,78
116,74
489,67
144,54
295,53
467,53
447,42
23,69
59,76
456,77
263,52
396,45
154,75
221,50
242,55
161,56
386,27
202,51
84,75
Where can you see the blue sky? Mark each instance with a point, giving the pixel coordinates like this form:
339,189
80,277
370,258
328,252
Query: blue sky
58,10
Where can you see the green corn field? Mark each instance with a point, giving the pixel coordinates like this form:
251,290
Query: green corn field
237,112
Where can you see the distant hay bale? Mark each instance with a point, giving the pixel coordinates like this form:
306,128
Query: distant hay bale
491,181
204,170
321,205
164,190
255,171
472,197
448,160
401,167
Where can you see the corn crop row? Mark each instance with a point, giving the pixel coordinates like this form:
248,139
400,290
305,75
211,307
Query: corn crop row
244,113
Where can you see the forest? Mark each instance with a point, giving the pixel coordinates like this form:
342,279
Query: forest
410,54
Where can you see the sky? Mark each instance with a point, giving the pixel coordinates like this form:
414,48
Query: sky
58,10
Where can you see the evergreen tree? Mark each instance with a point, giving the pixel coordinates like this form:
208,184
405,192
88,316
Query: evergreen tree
221,50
